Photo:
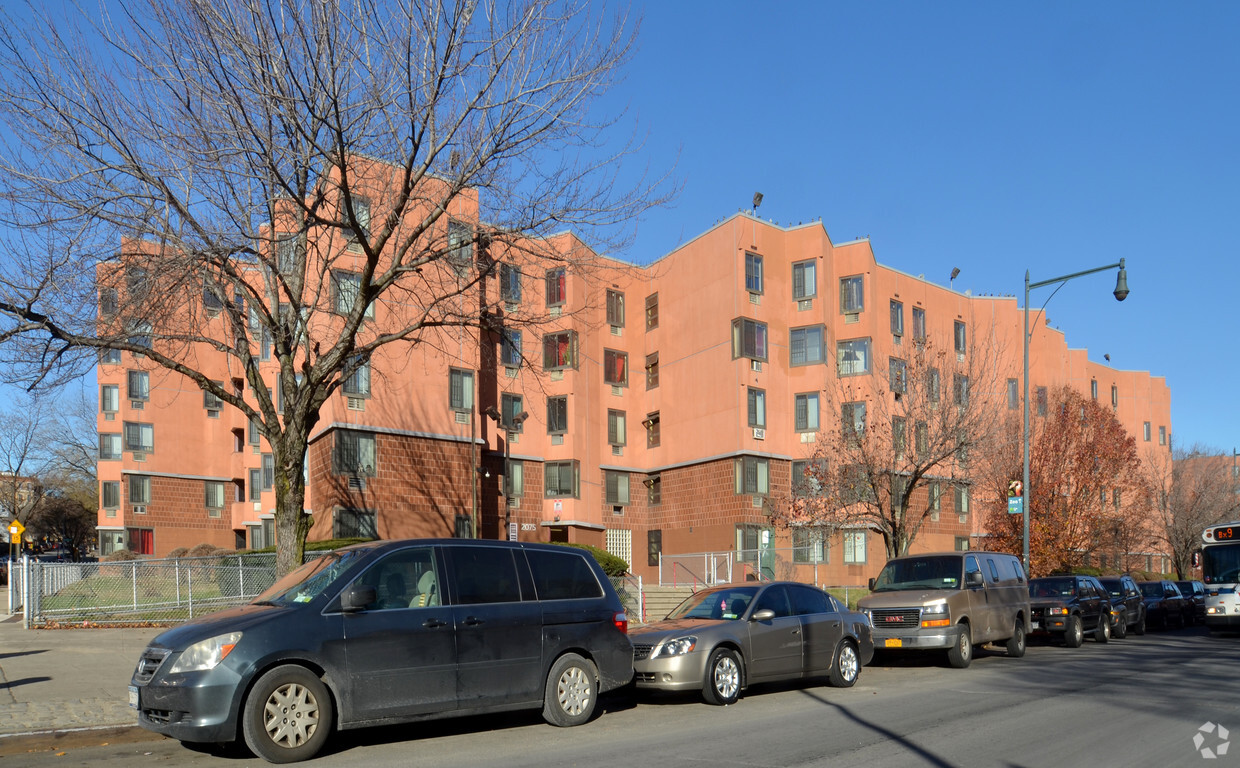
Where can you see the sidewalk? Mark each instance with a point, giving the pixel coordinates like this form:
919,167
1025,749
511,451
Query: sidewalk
58,680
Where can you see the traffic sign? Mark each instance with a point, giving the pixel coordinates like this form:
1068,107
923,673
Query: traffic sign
16,528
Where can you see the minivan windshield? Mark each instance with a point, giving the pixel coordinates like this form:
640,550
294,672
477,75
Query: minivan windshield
938,572
301,585
727,604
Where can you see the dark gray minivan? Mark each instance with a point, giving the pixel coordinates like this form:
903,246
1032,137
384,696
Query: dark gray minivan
387,632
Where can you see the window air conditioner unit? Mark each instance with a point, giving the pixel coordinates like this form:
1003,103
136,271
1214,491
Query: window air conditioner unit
617,450
357,403
557,439
805,304
137,405
755,365
357,483
759,433
462,417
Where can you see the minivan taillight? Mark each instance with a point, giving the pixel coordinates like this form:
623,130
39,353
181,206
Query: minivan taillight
621,620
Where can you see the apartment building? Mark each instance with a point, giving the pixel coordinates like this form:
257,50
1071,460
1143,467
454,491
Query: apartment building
660,411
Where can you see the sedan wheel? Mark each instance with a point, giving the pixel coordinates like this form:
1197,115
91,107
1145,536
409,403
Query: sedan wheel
847,666
723,678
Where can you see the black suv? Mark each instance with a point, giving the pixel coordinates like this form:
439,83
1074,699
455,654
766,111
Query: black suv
1070,606
1127,605
1194,593
1164,604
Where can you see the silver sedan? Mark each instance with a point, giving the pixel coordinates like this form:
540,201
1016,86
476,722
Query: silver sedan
721,640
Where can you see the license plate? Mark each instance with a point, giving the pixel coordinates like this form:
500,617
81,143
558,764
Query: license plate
133,696
1035,625
893,642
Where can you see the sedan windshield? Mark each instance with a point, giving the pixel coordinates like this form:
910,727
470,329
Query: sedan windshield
301,585
726,604
919,573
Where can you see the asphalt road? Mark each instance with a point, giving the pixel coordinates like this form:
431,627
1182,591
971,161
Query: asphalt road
1136,702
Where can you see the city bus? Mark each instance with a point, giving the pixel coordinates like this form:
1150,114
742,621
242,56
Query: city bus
1220,570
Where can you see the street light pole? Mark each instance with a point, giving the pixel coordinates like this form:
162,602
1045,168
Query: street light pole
1120,293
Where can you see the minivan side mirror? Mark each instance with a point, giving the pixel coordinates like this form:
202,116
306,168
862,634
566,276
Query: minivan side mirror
357,597
973,578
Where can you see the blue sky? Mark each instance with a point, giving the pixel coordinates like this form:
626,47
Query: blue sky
993,137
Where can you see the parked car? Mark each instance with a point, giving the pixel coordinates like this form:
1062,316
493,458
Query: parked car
1164,605
388,632
1127,605
722,640
1194,593
950,601
1070,606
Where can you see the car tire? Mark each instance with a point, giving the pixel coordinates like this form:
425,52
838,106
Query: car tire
1120,630
287,715
960,655
1074,634
1139,629
1102,632
847,666
724,673
1016,643
571,693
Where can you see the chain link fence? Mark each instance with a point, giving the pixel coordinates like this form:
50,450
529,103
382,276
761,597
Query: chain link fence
138,591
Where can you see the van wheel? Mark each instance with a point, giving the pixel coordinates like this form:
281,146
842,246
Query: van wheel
960,655
1120,630
723,678
1103,632
847,666
572,691
1016,643
287,716
1074,635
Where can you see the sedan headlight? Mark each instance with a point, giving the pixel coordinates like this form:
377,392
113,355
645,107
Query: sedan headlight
676,647
206,654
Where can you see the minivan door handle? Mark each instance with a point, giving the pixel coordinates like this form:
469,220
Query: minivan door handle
473,621
434,623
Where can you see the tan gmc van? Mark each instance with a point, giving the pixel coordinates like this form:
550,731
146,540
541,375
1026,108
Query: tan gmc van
952,601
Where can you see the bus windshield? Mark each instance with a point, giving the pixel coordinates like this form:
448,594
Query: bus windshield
1220,563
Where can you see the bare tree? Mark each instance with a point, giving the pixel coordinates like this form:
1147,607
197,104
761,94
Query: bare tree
318,180
1191,489
920,419
24,458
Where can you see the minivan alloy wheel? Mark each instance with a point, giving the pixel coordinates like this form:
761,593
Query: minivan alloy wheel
288,715
573,691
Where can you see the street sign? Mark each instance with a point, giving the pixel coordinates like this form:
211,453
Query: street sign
1016,505
1016,488
16,528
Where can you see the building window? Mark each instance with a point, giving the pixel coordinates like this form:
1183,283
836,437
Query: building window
256,484
1013,393
141,540
935,492
806,346
510,347
805,279
460,389
1042,401
139,437
353,454
852,294
615,309
269,471
853,420
139,333
921,438
214,492
853,357
809,545
254,432
1114,396
652,370
139,489
210,400
109,302
617,432
752,475
897,318
960,390
354,524
264,345
748,339
559,351
654,546
962,499
557,287
919,324
211,299
511,410
357,383
807,478
898,372
653,429
756,407
961,337
109,398
557,415
560,479
1093,389
460,246
110,494
1146,430
652,311
615,368
110,357
514,479
616,487
509,283
899,436
139,385
854,547
654,490
805,412
932,386
753,273
347,292
288,254
1162,435
962,543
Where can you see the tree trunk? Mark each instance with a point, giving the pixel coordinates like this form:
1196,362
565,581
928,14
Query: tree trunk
292,522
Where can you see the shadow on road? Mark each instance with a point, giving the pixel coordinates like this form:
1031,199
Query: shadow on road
4,686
